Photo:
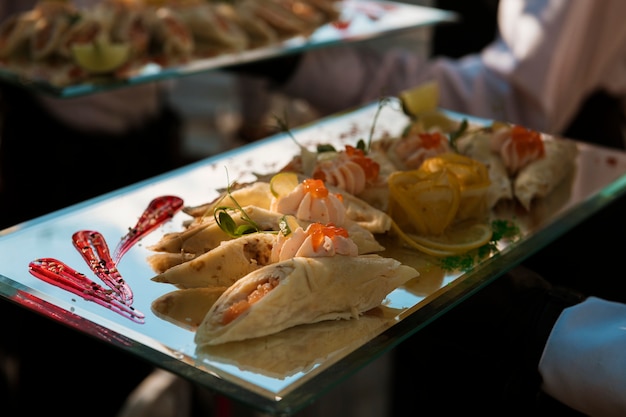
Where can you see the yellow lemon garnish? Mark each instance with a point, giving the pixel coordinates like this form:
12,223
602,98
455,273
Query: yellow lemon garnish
435,119
101,56
420,99
473,178
459,238
426,203
456,240
283,183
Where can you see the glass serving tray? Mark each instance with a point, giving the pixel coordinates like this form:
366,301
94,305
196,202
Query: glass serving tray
360,20
283,373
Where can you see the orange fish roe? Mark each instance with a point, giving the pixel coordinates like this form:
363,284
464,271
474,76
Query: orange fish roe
527,142
316,187
431,140
370,167
318,232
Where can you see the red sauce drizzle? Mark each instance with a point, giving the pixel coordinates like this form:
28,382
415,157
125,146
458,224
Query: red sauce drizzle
159,211
58,274
95,252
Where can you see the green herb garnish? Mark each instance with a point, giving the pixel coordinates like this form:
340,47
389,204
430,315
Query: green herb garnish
502,229
225,221
458,133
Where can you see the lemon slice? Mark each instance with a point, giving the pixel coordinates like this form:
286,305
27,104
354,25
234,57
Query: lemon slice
100,56
408,240
424,202
420,99
283,183
457,239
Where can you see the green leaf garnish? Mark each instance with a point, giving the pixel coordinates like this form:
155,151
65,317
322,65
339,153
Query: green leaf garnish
326,147
224,220
458,133
502,229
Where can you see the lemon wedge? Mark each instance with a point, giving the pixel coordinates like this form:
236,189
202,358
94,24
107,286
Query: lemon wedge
283,183
101,56
421,99
435,119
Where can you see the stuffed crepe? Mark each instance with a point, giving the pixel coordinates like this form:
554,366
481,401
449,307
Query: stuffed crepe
301,291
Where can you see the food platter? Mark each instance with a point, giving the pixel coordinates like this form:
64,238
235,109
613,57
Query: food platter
358,20
281,373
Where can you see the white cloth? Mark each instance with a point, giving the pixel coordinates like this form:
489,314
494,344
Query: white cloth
551,54
584,362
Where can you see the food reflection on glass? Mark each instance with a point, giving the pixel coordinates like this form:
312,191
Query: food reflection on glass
299,348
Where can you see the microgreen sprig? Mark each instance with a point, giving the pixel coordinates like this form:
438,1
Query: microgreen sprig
384,101
225,221
458,133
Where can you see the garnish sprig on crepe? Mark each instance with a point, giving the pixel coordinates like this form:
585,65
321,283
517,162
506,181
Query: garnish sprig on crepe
224,220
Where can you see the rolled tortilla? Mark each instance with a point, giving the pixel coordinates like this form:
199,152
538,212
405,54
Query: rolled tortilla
478,146
256,194
170,35
162,261
186,308
363,213
15,33
300,291
130,26
84,31
259,31
203,237
48,34
212,27
224,265
193,243
279,14
330,8
540,177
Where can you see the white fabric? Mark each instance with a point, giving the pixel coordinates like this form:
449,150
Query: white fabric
551,54
584,362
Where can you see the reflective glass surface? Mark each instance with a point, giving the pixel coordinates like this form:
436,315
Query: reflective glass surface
360,20
282,373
